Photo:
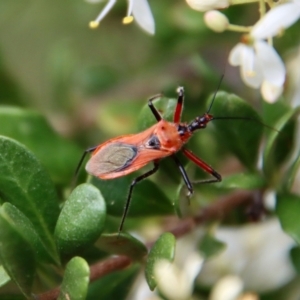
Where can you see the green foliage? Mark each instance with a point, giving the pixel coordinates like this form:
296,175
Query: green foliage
31,129
76,280
242,137
81,220
14,247
64,88
156,204
287,209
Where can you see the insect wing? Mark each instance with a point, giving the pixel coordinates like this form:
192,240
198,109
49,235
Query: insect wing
111,157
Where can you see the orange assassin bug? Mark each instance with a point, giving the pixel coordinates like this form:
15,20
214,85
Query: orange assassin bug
125,154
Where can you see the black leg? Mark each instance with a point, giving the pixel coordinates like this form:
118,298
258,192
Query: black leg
133,183
153,109
89,150
184,175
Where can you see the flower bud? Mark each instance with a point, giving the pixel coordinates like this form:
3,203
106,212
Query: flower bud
216,21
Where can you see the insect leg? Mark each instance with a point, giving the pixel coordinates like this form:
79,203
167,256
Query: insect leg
153,109
184,175
203,165
133,183
81,161
179,106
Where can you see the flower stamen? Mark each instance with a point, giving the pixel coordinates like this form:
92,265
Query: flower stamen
129,18
103,13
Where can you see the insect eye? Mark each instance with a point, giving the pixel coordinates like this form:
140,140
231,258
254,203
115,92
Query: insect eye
153,142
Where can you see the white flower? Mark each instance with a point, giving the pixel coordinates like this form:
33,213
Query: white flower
175,283
204,5
137,9
260,64
228,287
278,18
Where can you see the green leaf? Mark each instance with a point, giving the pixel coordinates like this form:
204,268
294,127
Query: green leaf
279,144
4,277
25,184
147,198
76,280
210,246
31,129
245,181
81,220
17,256
122,244
241,137
164,248
295,257
164,105
287,209
291,175
25,227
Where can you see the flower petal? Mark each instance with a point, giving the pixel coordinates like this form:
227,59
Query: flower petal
270,92
270,63
204,5
236,54
278,18
250,70
143,15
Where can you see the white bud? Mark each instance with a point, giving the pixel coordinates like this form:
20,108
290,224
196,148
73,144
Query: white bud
216,21
205,5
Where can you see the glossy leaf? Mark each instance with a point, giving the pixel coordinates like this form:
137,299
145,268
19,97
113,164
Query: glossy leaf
25,227
123,244
210,246
287,209
291,176
165,107
25,184
81,220
31,129
4,277
279,144
295,257
76,280
245,181
17,256
164,248
147,198
242,137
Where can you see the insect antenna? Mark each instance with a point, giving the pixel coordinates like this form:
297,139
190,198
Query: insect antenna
234,118
215,94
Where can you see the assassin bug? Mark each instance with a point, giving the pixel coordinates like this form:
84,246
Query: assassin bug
125,154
